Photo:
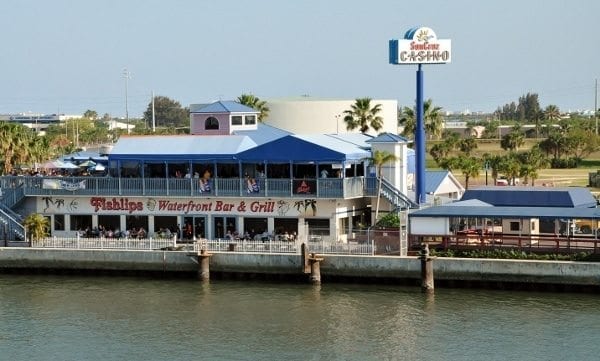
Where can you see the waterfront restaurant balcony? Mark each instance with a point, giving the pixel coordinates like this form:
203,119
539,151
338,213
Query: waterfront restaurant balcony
349,187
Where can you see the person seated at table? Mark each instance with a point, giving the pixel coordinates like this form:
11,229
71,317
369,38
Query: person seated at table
141,233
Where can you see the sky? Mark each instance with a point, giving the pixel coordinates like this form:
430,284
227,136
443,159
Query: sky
64,56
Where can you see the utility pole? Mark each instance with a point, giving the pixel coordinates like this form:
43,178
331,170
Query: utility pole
596,105
153,115
126,75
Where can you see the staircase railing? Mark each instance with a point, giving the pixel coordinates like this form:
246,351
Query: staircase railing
11,223
395,197
10,228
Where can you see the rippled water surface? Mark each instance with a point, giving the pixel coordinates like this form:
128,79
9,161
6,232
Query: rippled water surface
117,318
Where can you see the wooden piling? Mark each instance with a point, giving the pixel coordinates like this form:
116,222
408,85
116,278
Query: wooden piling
315,269
204,265
311,263
427,285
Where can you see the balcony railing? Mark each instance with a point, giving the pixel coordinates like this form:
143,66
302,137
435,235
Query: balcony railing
185,187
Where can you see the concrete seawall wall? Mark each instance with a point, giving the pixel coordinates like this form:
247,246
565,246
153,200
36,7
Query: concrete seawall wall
451,269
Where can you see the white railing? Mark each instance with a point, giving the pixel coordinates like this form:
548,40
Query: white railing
249,246
106,243
216,246
321,247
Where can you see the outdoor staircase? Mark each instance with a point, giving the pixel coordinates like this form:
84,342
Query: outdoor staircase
11,223
395,197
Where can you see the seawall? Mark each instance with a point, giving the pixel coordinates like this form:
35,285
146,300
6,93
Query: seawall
357,268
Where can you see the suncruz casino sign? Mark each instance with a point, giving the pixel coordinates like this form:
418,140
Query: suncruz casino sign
420,46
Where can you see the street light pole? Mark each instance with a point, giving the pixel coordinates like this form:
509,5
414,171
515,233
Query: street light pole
126,75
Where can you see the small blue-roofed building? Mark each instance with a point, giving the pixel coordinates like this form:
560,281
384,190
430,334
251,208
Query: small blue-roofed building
541,217
443,186
568,197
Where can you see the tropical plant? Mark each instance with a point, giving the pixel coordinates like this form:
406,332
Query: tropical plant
552,113
37,226
531,163
378,159
363,116
90,114
467,145
513,140
470,168
390,220
15,145
255,103
432,118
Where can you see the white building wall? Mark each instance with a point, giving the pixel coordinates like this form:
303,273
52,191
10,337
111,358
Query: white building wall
432,226
312,116
395,172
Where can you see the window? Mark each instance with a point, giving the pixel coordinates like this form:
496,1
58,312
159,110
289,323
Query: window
112,222
211,123
80,222
514,226
318,227
250,119
236,120
532,225
59,222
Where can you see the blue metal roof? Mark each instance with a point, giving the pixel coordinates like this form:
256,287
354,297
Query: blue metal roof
532,196
388,138
263,133
294,148
358,139
433,179
180,147
456,210
223,106
350,150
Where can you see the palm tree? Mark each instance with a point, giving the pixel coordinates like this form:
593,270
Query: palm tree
363,116
255,103
378,160
531,163
496,164
37,226
470,167
513,140
552,113
13,149
432,117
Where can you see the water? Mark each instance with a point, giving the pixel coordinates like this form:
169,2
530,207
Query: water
118,318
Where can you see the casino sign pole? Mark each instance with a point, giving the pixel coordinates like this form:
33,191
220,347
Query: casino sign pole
420,46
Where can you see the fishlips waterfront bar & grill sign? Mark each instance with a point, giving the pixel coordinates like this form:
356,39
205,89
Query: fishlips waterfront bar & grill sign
164,206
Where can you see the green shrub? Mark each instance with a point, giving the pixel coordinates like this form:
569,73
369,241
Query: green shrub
514,254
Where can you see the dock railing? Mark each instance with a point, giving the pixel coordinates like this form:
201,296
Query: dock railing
214,246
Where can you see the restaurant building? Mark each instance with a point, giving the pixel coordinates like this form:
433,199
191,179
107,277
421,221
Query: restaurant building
231,176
